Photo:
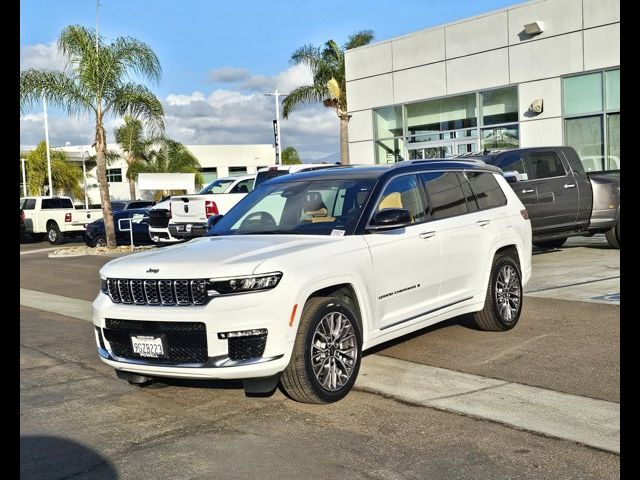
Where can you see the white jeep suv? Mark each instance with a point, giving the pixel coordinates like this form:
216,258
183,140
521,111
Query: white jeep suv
309,270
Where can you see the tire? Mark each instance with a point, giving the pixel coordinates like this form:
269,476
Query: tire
53,234
613,236
99,241
555,243
299,380
497,316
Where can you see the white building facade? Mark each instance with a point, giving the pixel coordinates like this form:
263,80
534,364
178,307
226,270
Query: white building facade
216,161
485,83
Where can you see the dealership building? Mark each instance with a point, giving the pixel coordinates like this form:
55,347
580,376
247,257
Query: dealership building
544,72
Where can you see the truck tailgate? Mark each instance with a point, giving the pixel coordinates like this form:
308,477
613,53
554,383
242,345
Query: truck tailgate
188,209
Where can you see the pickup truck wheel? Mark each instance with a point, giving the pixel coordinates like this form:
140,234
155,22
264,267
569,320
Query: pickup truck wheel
503,303
613,236
326,355
555,243
99,241
53,234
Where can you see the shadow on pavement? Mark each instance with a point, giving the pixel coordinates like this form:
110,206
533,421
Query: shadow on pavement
48,457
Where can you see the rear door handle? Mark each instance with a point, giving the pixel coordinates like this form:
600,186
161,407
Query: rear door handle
482,223
528,191
425,235
569,185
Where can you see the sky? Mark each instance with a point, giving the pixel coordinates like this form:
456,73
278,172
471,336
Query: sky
219,58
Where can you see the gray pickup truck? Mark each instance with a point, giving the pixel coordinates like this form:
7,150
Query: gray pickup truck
562,199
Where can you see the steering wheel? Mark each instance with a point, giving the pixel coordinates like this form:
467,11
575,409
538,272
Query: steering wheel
258,219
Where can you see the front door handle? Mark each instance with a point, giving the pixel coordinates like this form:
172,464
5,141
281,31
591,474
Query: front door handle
569,185
528,191
482,223
425,235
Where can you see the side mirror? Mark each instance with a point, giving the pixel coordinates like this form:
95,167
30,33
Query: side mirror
389,218
511,177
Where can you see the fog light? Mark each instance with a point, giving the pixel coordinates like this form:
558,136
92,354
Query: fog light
242,333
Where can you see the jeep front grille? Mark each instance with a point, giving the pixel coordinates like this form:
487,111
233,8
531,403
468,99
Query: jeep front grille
157,292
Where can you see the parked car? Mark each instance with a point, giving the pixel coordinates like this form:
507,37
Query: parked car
56,217
267,173
95,235
189,213
562,199
309,270
159,216
129,204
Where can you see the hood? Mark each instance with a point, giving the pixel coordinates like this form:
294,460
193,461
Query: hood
209,257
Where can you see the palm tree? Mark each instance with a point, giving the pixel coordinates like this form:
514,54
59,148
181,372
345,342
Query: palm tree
290,156
164,155
129,137
329,84
65,175
97,81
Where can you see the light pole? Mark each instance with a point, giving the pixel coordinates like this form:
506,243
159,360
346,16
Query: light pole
277,96
24,179
84,174
46,137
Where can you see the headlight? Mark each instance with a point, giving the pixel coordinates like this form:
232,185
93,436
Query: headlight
104,288
251,283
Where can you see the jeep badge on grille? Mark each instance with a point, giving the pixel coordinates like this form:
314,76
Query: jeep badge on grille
153,270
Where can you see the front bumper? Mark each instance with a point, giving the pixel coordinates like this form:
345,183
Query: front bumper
190,230
162,235
260,310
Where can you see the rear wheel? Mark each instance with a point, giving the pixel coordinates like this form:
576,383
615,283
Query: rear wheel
53,234
613,236
555,243
503,303
99,241
326,355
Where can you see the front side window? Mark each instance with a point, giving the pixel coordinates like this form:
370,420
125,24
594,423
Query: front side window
513,162
317,207
245,186
114,175
546,165
51,203
404,192
446,198
486,189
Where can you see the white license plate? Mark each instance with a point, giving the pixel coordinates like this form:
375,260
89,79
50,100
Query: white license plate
148,346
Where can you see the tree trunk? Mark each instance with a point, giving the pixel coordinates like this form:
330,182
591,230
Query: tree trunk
344,138
132,189
101,164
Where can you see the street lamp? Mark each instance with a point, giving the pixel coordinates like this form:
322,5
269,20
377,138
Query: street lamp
276,132
46,137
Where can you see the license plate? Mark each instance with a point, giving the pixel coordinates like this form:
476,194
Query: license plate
148,346
188,228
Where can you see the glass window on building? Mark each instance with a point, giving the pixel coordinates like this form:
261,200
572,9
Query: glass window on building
114,175
388,122
500,138
591,105
389,151
499,106
209,174
426,120
237,171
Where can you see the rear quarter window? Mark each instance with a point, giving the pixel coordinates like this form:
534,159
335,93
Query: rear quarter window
446,198
29,204
485,187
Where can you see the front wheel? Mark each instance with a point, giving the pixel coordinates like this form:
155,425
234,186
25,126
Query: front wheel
53,234
326,355
503,303
99,241
613,236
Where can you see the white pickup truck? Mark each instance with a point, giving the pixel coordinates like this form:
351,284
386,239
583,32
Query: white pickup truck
55,217
189,213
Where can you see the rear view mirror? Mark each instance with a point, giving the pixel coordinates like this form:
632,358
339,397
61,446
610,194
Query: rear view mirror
389,218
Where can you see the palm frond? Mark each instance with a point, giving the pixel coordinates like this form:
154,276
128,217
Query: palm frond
307,55
61,89
139,102
359,39
135,55
301,95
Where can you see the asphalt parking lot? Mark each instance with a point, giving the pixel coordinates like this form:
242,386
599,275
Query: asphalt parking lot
79,421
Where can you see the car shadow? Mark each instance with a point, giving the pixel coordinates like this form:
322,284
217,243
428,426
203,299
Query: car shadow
45,457
465,321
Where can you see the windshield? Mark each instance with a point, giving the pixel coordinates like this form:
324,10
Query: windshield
217,186
316,207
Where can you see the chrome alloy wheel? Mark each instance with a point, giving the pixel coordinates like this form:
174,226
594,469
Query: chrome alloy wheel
334,351
52,235
507,293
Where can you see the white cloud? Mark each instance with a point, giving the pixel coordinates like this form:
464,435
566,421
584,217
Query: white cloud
228,74
184,99
44,56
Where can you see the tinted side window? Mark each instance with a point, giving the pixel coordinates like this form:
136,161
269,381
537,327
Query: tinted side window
472,205
404,192
29,204
546,165
243,187
512,162
486,189
445,194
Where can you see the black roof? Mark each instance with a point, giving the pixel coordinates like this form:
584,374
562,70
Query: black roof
376,171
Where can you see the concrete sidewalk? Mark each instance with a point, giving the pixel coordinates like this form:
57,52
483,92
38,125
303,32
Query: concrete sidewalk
580,419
